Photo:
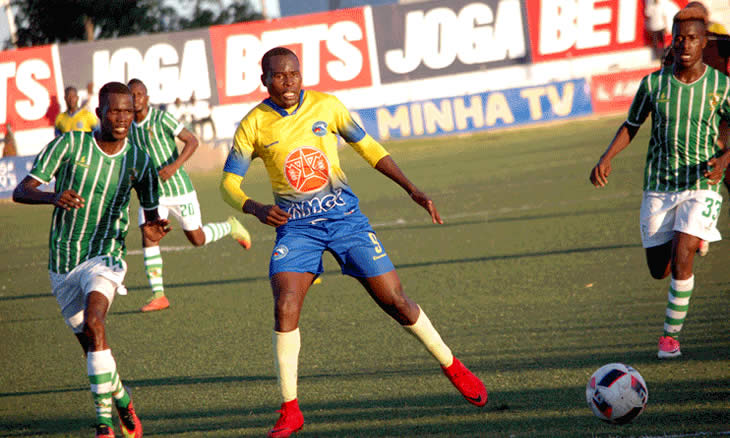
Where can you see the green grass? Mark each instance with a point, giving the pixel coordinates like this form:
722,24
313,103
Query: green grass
535,281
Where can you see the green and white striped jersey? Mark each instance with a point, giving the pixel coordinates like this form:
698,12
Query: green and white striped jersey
105,183
156,136
684,127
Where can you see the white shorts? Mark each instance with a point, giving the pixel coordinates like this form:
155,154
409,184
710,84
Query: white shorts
100,274
692,212
184,208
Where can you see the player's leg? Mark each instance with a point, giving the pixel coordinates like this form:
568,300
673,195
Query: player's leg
189,216
153,266
289,290
387,291
658,259
656,220
695,220
362,256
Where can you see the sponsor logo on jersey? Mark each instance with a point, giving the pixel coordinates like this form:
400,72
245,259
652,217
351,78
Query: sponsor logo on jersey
307,169
280,252
82,162
319,128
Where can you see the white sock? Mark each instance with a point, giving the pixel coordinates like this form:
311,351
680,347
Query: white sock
286,359
429,337
216,230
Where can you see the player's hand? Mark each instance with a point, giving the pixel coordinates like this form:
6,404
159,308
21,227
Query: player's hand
424,201
167,172
155,230
68,199
600,172
272,215
716,168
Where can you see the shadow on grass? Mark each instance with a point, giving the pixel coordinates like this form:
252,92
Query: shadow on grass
416,265
545,412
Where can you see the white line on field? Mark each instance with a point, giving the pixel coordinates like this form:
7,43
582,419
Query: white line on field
687,435
401,221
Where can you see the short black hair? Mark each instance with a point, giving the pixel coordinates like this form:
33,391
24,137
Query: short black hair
68,89
136,81
111,88
276,51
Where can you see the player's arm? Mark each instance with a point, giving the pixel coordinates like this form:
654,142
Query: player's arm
231,187
190,144
387,167
716,166
640,109
147,187
27,192
624,135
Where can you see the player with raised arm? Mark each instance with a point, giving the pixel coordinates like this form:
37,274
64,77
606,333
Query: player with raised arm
295,133
95,174
155,131
684,164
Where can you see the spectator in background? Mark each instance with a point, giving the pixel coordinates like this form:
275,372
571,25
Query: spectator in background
9,149
200,114
659,15
74,118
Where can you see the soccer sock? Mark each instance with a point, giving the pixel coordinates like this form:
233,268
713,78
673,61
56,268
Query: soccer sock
286,359
679,293
430,338
101,369
216,230
153,269
120,394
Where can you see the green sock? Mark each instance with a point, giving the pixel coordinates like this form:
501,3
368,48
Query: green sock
153,269
215,231
680,292
101,368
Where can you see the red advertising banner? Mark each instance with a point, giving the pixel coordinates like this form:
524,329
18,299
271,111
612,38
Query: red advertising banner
614,92
29,90
564,28
332,49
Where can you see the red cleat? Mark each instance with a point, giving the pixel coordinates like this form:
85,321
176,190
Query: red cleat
129,422
156,304
467,383
290,421
104,431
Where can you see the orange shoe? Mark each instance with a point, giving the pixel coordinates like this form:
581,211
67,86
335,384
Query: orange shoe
104,431
158,303
290,421
129,421
467,383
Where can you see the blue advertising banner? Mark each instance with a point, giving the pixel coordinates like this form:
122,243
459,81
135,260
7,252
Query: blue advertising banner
477,112
12,171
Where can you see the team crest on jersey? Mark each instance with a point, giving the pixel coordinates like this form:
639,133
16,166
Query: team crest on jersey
82,162
663,98
280,252
714,99
306,169
319,128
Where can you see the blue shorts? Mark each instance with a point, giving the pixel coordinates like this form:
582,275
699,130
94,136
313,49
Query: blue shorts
299,247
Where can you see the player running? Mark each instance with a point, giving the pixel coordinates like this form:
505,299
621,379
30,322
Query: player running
154,131
684,164
295,133
95,174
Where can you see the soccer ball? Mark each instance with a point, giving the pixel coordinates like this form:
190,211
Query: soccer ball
617,393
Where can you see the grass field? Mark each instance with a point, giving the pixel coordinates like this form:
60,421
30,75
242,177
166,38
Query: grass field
535,280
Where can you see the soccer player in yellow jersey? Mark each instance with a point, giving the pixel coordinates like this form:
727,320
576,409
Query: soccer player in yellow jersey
74,118
295,133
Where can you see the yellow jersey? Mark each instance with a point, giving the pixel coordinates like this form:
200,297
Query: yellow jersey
81,120
299,149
